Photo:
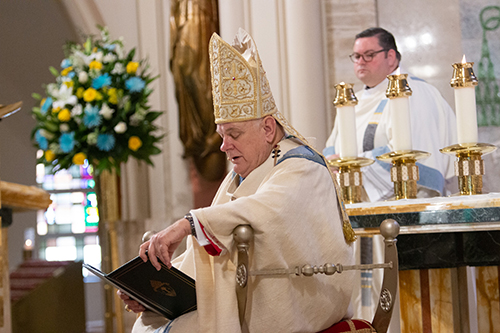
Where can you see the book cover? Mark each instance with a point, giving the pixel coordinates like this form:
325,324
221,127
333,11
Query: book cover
168,292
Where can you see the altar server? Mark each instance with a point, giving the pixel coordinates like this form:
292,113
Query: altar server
432,121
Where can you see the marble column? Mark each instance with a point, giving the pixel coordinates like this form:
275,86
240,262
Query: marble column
289,37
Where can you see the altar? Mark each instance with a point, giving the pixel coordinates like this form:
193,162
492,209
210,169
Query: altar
440,240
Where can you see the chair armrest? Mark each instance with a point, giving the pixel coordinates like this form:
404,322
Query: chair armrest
242,235
389,229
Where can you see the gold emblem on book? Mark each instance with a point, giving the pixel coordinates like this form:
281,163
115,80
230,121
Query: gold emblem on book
163,288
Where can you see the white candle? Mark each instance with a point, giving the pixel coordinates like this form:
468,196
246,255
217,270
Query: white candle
400,117
347,131
465,108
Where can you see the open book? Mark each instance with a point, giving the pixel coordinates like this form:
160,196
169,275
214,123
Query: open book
168,292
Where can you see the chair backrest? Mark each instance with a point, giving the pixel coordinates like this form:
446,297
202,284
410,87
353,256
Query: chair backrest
243,235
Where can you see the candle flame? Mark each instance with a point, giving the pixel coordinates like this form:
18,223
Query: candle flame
398,71
464,60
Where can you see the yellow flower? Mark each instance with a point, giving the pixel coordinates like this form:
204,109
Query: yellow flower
56,110
69,84
98,96
64,115
95,65
132,67
43,101
134,143
89,95
113,96
79,92
49,155
66,71
79,158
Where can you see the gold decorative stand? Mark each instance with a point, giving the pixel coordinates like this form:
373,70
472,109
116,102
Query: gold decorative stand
350,176
469,165
108,198
404,171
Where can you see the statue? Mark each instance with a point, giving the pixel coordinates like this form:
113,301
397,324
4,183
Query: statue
192,23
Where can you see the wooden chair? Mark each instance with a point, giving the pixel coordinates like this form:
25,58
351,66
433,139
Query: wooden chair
389,229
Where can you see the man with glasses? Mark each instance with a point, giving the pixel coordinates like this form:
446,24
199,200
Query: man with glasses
432,120
433,127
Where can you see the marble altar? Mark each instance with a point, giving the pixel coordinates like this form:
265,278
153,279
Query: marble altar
449,257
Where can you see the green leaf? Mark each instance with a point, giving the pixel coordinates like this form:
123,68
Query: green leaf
151,116
54,71
88,45
36,96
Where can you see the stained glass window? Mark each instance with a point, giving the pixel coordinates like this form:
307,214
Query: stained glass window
67,230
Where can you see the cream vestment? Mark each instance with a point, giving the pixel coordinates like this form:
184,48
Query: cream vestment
290,201
293,210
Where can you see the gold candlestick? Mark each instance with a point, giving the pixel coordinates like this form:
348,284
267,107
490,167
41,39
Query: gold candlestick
469,165
345,95
404,171
350,176
463,75
398,86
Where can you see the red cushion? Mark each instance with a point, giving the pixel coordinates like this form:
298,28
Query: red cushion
351,325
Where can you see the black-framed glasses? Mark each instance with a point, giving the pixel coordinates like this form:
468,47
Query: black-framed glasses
367,57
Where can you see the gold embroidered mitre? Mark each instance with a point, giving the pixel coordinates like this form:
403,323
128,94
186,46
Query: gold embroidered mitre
240,88
241,92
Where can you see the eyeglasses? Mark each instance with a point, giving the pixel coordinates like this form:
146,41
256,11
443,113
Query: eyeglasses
367,57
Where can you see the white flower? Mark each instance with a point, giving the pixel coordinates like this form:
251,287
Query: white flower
97,56
64,127
136,118
121,127
83,77
110,57
64,96
106,111
52,89
119,49
92,138
77,110
118,69
79,59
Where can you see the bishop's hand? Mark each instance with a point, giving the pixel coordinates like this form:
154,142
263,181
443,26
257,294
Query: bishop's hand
163,244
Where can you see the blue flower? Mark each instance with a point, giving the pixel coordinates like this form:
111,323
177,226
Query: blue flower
67,142
135,84
110,47
91,117
101,81
42,141
46,105
66,63
71,75
105,142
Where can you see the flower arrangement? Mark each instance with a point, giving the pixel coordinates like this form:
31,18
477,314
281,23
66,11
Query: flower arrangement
97,108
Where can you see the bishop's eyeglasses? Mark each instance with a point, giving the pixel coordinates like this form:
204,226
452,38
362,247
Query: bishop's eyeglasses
367,57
